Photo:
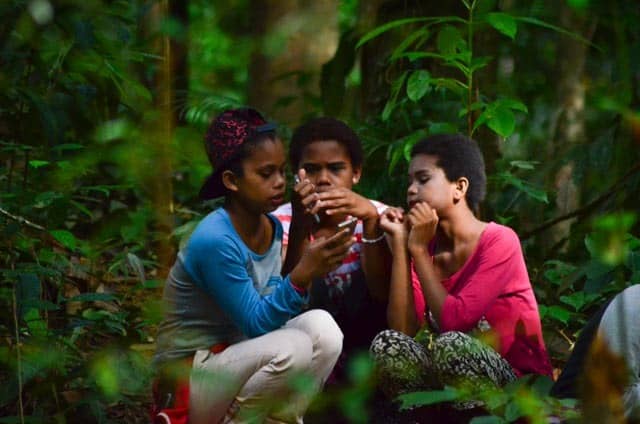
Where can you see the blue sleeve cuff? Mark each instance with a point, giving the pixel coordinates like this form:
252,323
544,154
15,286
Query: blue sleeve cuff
299,297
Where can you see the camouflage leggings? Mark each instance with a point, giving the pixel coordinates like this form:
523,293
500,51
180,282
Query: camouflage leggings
407,365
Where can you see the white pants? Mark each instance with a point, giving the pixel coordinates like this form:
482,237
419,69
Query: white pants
251,380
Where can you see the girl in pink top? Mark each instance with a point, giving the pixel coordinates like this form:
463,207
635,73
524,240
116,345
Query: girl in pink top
457,277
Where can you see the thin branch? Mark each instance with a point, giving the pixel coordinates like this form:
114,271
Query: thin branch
21,220
568,339
586,209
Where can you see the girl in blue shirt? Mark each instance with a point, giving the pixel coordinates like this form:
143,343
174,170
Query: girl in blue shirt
228,306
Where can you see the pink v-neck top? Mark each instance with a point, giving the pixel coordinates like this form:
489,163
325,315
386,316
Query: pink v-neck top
492,292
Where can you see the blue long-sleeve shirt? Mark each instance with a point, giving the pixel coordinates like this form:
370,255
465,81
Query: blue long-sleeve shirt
220,291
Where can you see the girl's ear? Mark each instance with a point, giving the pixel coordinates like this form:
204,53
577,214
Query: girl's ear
357,173
229,180
461,187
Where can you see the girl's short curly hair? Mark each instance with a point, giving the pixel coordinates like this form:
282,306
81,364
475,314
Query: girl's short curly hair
458,156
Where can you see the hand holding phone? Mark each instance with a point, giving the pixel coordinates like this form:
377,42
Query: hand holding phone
323,255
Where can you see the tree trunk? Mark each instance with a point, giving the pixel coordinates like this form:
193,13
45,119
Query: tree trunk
158,135
570,123
293,39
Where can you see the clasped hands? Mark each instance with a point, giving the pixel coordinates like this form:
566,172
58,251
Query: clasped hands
414,229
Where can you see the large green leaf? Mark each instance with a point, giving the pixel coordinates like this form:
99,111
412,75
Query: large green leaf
504,23
458,87
578,300
560,30
478,62
559,313
523,185
512,104
395,89
427,397
402,147
386,27
65,238
399,22
415,40
38,163
450,40
388,108
512,412
502,121
418,85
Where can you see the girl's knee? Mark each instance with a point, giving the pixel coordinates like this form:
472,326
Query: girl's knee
385,340
294,352
324,331
448,348
452,337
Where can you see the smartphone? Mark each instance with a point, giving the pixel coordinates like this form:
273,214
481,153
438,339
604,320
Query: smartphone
348,223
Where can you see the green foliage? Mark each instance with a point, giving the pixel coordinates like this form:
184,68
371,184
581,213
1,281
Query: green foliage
448,394
504,23
80,151
352,400
612,265
525,398
453,48
73,95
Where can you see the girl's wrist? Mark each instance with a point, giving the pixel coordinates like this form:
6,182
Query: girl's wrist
371,218
298,279
302,291
399,240
418,249
371,225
